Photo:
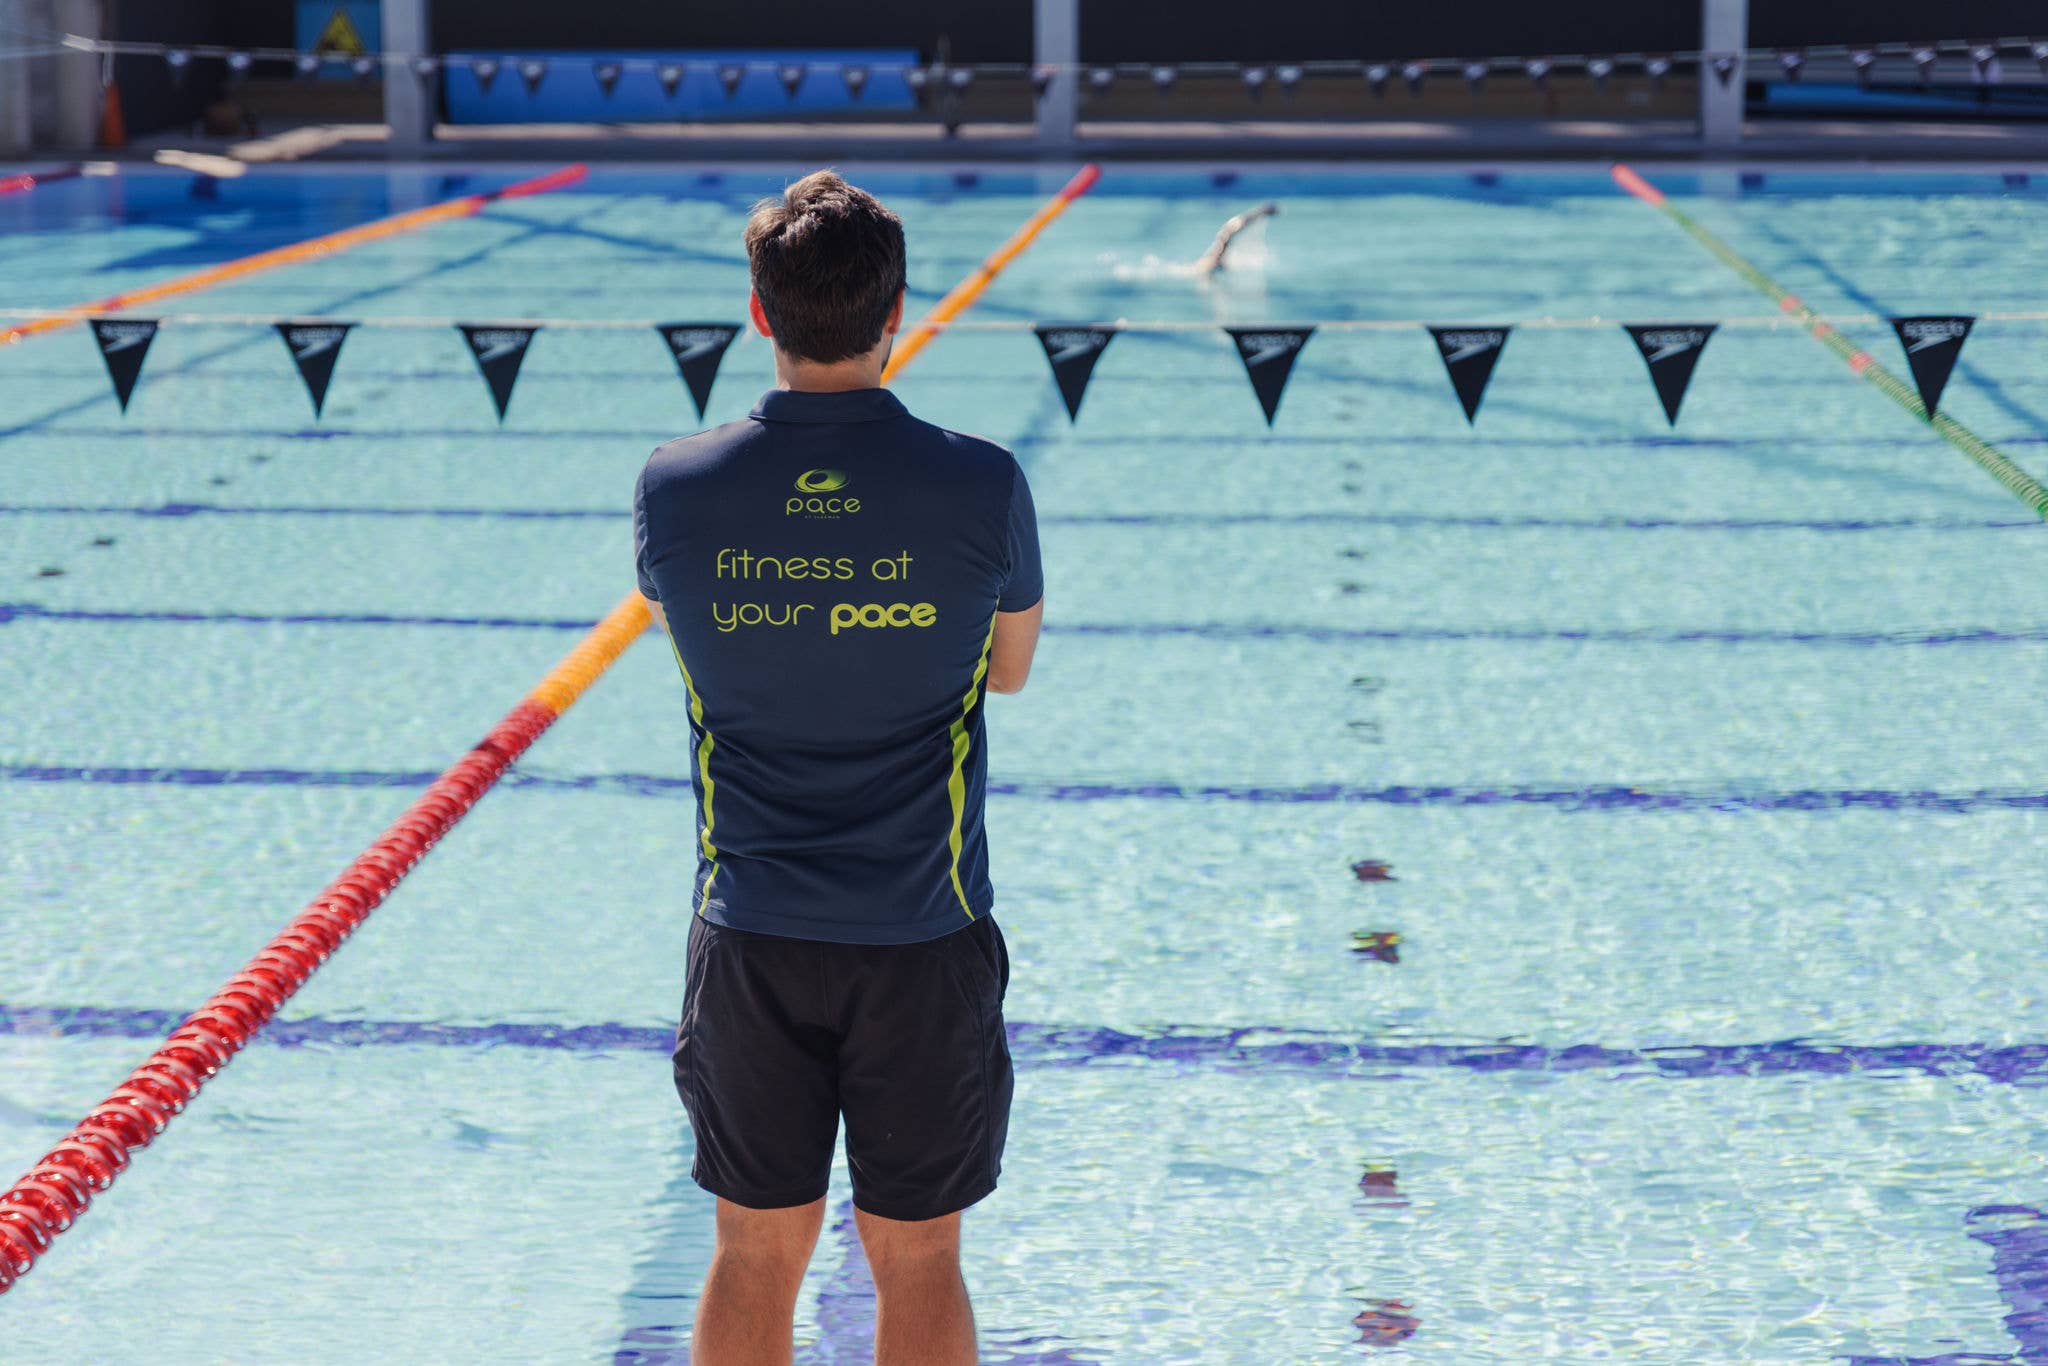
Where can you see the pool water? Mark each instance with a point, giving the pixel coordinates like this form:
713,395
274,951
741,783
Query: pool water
1705,764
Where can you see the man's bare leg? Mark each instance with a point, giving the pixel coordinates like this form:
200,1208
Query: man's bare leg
922,1316
746,1315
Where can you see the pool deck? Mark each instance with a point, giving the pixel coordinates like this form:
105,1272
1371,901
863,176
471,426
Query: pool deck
1379,140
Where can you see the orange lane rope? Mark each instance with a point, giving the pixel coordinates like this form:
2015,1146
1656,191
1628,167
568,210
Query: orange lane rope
296,252
962,296
60,1186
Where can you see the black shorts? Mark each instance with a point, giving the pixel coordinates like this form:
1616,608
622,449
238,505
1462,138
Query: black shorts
780,1035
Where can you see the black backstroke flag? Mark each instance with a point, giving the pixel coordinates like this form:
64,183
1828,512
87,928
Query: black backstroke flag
315,347
1671,350
1933,345
1469,354
698,348
499,351
123,344
1268,354
1073,351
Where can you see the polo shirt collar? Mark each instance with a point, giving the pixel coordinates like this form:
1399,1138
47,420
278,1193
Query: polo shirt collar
846,405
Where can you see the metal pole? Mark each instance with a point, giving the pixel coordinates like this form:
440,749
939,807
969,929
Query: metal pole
75,77
15,73
1056,41
1724,29
409,98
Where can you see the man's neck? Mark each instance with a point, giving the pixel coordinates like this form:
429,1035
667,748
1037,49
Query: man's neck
862,372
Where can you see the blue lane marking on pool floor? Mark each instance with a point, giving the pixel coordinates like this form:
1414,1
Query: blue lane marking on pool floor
2018,1238
1604,797
1200,630
1248,1048
1103,519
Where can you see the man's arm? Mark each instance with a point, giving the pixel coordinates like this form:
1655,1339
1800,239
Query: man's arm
654,610
1009,658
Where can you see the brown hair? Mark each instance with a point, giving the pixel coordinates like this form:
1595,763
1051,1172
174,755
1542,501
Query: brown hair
827,262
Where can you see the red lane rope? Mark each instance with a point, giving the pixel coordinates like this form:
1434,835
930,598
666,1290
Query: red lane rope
22,184
59,1187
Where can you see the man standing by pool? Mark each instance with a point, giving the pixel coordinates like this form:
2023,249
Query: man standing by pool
843,584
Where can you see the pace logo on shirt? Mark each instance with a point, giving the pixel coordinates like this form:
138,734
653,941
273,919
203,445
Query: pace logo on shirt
820,486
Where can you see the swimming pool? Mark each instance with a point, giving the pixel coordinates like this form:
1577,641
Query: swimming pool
1705,761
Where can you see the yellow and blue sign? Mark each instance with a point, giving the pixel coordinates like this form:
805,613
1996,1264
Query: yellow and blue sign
342,29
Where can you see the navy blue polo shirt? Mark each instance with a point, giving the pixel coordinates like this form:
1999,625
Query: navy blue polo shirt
831,568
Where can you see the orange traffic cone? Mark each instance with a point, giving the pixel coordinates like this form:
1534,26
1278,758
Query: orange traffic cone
113,128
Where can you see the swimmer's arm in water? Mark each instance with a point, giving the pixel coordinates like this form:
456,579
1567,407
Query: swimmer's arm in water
1212,259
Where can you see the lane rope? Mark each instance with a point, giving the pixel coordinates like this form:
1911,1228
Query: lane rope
295,253
28,180
60,1186
1994,462
1768,321
962,296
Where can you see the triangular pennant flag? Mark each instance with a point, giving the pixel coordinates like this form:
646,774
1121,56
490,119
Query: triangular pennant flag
499,351
1932,347
485,69
1268,354
791,74
315,347
1073,352
670,74
1041,80
1671,350
1724,67
1469,355
698,348
123,345
730,74
608,74
856,79
533,71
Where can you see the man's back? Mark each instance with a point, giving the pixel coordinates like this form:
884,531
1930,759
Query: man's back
830,568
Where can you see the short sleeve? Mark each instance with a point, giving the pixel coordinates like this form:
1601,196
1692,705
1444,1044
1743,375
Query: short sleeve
640,538
1026,584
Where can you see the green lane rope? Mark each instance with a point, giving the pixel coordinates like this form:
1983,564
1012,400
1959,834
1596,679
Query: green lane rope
2028,489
